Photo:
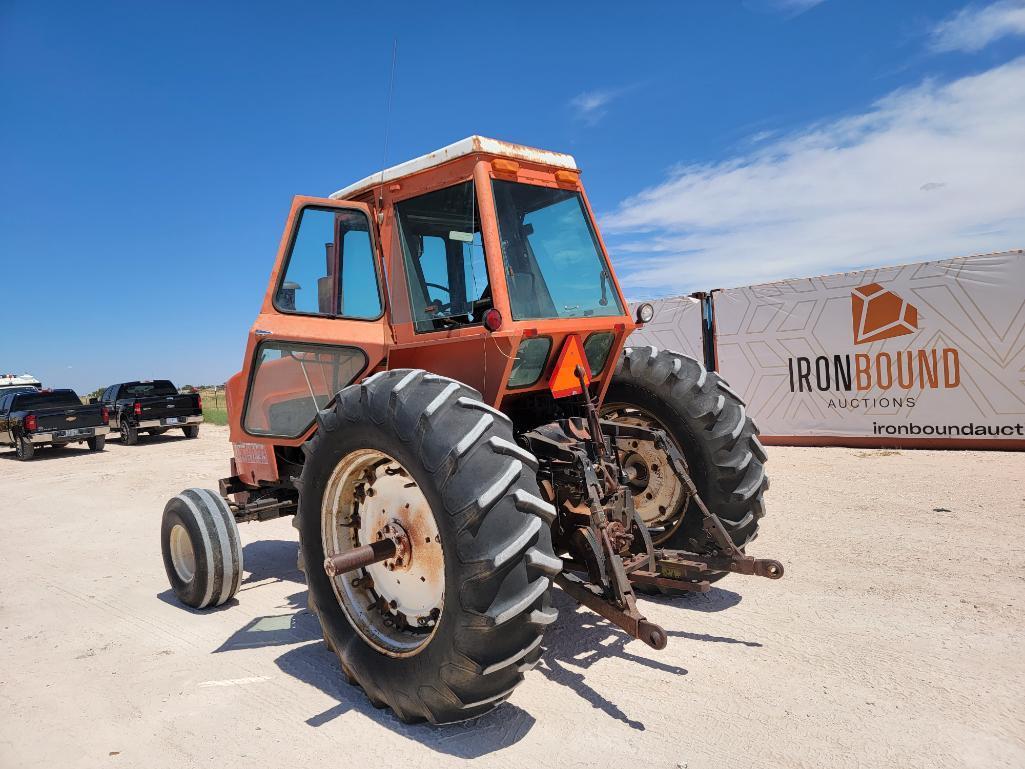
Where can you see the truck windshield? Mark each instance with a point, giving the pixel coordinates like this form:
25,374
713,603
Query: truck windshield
147,389
39,400
553,264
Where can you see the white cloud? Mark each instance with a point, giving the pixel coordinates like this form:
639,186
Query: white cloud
975,27
590,106
797,6
929,172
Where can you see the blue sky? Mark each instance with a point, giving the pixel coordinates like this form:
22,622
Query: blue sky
150,151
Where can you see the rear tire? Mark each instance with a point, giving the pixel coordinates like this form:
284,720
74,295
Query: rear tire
201,547
710,426
97,443
24,449
191,431
496,552
129,433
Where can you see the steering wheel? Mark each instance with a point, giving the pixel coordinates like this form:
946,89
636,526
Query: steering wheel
443,288
437,307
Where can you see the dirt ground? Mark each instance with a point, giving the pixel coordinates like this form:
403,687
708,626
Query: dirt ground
894,640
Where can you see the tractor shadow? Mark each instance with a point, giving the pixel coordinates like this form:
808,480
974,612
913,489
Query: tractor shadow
270,559
575,644
315,665
581,639
295,625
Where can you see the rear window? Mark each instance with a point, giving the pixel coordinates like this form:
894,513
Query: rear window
147,389
45,400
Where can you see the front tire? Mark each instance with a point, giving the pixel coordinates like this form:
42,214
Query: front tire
201,547
709,424
435,436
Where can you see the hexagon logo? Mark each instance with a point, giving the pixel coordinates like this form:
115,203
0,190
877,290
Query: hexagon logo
879,313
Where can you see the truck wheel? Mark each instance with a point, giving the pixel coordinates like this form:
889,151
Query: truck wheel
129,434
191,431
709,424
97,443
445,630
202,550
24,449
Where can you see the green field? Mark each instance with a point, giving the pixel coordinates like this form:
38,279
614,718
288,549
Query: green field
215,410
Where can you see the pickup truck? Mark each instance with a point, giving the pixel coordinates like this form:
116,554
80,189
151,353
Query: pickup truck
33,418
152,406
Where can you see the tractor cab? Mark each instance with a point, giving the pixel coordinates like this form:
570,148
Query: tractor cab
480,261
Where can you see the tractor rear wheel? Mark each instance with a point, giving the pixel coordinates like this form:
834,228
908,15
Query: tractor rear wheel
445,629
709,424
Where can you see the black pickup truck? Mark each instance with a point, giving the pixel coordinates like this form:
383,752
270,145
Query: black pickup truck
33,418
153,406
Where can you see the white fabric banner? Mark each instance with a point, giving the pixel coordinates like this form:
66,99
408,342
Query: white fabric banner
920,354
676,325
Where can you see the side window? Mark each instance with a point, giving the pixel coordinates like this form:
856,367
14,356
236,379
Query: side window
291,381
330,268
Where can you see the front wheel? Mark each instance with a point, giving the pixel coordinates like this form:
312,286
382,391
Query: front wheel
709,425
201,547
445,629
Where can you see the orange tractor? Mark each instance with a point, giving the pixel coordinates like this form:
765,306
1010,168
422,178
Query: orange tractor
438,387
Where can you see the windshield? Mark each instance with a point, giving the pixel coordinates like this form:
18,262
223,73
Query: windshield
445,268
147,389
553,265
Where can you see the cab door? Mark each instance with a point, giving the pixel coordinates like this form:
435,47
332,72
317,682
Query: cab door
322,327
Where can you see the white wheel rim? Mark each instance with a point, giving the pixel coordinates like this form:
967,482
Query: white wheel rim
398,614
182,555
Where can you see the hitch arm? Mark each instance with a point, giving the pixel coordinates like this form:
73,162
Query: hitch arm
630,619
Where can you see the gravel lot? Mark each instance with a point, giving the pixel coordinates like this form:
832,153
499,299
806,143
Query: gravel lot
895,639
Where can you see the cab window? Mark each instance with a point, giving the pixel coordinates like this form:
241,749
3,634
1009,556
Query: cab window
445,266
291,381
330,267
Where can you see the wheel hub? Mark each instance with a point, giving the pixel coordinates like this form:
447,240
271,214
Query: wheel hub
182,555
394,604
659,497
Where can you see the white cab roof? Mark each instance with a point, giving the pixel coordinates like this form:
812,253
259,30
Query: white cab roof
467,146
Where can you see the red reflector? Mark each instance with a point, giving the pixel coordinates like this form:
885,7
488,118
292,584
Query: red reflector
529,333
137,408
492,320
620,327
564,380
31,423
104,415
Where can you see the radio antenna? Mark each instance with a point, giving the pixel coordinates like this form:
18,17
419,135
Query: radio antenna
387,127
